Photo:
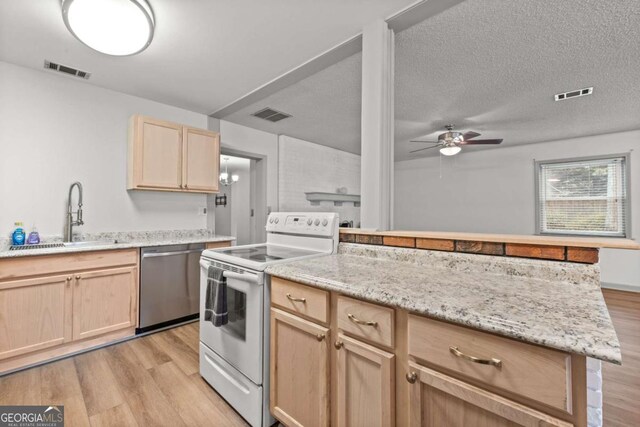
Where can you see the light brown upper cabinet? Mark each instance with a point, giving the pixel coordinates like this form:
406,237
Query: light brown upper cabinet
168,156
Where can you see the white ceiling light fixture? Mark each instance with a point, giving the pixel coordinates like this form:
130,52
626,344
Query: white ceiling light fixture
112,27
450,141
224,176
450,149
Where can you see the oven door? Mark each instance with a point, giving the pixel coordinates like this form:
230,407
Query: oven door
240,341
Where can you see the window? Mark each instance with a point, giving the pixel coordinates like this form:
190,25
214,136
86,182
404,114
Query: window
583,196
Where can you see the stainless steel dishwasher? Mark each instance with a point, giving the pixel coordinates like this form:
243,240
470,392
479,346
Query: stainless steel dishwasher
169,285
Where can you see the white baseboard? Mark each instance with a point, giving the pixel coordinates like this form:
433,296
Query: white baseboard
620,287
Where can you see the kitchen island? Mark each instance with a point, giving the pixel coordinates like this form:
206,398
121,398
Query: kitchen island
494,338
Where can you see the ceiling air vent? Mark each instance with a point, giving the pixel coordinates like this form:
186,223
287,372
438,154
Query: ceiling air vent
574,94
271,115
66,70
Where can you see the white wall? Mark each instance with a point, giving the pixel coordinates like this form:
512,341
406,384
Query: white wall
222,214
55,130
241,201
234,219
306,167
492,191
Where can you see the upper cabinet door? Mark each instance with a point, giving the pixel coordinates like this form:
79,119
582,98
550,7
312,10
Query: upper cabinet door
155,154
201,166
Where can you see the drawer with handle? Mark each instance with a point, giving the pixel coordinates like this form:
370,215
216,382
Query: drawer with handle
369,321
300,299
530,371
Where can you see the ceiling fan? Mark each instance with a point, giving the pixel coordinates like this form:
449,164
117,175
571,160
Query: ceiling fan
450,141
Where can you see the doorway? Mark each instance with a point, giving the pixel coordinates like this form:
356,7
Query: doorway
239,209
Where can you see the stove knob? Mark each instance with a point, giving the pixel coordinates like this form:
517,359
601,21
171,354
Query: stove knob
270,220
317,221
324,222
277,220
309,221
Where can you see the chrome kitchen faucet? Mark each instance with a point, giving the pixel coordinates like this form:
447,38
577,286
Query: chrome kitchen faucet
70,221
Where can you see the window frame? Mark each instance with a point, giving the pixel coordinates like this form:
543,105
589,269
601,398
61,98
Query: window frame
627,208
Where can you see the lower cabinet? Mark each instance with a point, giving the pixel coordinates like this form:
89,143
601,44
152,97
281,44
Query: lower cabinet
299,371
77,301
366,386
436,400
385,367
104,301
35,314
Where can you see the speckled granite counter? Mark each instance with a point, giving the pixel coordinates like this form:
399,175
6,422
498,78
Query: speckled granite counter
125,240
553,304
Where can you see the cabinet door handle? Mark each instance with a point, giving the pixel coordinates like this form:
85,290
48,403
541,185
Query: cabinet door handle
78,277
69,278
411,377
302,300
320,337
495,362
354,319
338,345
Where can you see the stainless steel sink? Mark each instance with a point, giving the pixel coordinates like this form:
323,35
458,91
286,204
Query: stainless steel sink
86,243
82,244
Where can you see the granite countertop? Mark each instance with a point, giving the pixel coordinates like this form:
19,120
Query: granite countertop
120,240
552,304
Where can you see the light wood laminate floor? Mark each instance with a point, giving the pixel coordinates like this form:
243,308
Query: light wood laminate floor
149,381
621,384
155,381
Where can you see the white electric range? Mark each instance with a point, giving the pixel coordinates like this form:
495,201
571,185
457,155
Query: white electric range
234,358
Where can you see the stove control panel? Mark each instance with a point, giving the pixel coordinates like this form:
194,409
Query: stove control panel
309,223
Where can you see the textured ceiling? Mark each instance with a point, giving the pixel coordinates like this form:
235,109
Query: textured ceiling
490,66
205,54
325,107
494,66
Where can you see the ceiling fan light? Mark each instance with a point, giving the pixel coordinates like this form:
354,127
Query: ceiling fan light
224,176
235,178
450,150
112,27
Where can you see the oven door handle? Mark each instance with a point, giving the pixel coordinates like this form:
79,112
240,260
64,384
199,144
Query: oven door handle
251,278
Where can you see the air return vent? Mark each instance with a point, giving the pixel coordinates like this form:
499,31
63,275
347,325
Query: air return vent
66,70
574,94
271,115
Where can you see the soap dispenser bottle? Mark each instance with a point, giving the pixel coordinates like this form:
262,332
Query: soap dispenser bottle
18,235
34,237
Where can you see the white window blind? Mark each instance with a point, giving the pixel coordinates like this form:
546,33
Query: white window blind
587,197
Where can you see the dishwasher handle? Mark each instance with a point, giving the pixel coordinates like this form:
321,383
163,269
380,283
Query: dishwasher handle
171,253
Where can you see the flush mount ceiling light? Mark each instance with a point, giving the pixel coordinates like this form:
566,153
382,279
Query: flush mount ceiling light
113,27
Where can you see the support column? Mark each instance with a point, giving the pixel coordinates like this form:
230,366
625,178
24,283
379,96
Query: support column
376,185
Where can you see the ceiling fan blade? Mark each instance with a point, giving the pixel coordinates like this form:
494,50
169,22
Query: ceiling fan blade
426,148
471,134
428,142
482,142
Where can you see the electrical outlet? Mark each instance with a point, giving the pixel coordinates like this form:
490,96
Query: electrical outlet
202,211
